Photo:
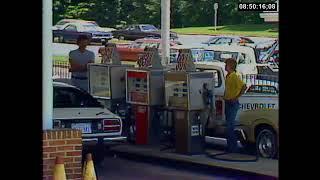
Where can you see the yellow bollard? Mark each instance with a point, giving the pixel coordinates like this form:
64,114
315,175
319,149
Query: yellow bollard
58,171
89,172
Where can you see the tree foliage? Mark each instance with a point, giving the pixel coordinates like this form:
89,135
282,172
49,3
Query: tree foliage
184,13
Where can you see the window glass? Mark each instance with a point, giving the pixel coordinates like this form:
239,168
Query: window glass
72,98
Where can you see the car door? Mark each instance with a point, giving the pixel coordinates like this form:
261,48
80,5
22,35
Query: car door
137,33
70,33
126,32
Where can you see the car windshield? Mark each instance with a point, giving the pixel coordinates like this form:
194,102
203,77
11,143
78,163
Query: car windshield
148,28
90,27
197,54
211,40
210,55
201,55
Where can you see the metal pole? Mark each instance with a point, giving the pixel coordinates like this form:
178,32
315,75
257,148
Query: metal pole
47,65
215,20
165,31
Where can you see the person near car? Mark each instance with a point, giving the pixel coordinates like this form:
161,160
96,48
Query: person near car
234,89
79,60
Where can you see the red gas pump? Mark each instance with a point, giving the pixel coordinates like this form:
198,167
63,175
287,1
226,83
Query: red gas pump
145,92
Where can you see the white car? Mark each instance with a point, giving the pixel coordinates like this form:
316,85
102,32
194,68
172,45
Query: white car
62,22
75,108
229,40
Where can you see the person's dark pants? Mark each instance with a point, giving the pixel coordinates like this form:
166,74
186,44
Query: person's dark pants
231,109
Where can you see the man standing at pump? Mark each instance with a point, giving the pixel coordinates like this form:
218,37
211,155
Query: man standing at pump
234,89
79,60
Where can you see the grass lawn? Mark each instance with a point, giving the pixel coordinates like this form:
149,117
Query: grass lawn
265,30
60,59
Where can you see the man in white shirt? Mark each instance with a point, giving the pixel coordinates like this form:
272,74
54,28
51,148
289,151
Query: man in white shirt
79,60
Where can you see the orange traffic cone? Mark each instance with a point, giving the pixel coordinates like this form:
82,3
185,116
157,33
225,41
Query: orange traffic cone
58,171
89,172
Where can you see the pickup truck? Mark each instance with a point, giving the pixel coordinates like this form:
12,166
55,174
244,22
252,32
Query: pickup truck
216,54
257,118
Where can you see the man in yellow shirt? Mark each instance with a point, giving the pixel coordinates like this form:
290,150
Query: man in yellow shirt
234,89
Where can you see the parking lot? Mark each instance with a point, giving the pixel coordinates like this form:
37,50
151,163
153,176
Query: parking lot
62,49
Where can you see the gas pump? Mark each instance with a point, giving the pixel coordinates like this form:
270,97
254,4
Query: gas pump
185,91
107,80
145,93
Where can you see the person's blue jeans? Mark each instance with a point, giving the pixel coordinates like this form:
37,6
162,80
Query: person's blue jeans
231,109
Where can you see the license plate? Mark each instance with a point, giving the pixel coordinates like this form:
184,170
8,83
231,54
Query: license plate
84,127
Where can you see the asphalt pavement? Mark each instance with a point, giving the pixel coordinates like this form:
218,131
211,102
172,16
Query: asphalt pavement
121,168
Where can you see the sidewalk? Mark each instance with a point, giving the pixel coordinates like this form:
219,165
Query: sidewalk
263,167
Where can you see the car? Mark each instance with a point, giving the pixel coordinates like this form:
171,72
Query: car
137,31
70,32
75,108
62,22
264,53
132,51
268,59
65,21
228,40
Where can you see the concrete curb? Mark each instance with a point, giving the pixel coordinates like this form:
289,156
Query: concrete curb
188,164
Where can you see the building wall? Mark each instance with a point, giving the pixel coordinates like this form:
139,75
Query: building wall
66,143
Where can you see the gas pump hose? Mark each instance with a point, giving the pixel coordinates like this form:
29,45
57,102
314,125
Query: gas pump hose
216,156
208,99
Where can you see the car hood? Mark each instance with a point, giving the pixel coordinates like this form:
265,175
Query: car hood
82,113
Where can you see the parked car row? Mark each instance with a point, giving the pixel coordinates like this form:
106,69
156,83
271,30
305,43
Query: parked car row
67,31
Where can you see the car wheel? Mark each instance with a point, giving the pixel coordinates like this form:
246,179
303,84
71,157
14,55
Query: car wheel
266,143
121,37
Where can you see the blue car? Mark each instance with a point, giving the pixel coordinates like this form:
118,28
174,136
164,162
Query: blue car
70,32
